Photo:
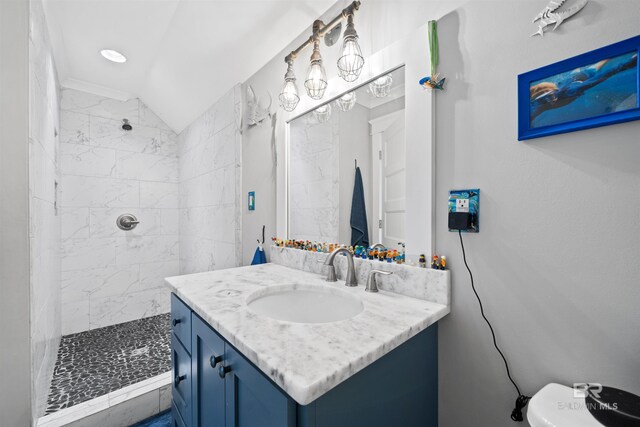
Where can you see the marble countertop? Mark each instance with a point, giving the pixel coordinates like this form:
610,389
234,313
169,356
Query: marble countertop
305,360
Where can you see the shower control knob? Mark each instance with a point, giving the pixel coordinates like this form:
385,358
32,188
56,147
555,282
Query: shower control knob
214,360
223,370
127,222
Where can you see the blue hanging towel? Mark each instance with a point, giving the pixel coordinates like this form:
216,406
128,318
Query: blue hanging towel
359,227
259,257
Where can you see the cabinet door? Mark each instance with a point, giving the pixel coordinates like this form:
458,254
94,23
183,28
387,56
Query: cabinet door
251,399
207,351
181,387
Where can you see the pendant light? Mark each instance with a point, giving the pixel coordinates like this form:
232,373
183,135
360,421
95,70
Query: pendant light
381,86
351,62
289,97
316,82
323,113
346,101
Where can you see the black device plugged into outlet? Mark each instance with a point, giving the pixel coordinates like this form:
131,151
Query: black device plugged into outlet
464,210
460,221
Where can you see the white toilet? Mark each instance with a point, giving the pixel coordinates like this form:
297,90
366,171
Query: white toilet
556,405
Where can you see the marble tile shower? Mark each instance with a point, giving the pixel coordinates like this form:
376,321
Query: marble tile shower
210,199
109,275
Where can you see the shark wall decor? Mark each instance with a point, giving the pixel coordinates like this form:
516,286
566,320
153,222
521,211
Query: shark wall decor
550,15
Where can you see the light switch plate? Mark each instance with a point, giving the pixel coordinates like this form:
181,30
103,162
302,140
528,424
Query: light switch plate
252,201
466,201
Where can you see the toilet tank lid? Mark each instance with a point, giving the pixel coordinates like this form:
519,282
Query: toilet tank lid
556,406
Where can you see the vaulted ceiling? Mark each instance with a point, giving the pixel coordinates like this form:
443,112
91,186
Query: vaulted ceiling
182,55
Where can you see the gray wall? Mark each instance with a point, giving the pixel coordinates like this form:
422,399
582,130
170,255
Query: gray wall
556,261
14,214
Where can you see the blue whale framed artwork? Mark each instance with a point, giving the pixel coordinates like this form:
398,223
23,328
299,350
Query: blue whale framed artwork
597,88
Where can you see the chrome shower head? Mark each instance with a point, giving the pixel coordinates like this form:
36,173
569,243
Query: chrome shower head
126,125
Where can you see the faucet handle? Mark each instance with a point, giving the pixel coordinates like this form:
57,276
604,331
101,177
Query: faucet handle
372,285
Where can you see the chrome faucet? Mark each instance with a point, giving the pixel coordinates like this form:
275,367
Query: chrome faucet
351,269
372,285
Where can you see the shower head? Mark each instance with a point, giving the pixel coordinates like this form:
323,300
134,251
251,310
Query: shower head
126,125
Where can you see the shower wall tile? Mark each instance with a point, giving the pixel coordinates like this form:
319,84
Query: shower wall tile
108,133
81,191
80,285
74,223
74,127
75,316
146,167
315,192
79,254
141,249
130,306
100,106
86,160
170,222
44,222
158,195
152,274
210,203
107,172
150,119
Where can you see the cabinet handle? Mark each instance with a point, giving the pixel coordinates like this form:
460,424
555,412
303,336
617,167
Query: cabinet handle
214,360
179,379
222,370
176,321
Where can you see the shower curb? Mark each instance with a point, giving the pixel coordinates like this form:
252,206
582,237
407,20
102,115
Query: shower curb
115,409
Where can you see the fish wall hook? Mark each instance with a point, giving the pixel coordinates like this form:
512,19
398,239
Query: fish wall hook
433,81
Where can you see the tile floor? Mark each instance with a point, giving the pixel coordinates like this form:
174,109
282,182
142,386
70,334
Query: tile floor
93,363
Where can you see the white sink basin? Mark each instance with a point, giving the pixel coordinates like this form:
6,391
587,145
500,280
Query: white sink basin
304,303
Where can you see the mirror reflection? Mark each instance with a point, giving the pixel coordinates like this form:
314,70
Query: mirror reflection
347,167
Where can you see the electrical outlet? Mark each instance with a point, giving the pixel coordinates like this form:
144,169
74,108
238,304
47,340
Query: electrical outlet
464,210
462,205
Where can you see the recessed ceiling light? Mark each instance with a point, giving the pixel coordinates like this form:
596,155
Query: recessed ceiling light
113,55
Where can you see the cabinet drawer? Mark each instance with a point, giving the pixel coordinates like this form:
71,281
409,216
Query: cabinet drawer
181,385
181,321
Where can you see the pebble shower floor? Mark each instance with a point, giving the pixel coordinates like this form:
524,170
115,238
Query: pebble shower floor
93,363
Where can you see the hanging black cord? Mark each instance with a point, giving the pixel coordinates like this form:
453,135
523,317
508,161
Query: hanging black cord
522,400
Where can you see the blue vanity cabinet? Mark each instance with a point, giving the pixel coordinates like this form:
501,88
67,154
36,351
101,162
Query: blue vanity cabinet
226,390
207,387
253,400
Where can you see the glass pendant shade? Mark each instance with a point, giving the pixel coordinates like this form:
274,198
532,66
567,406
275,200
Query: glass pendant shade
323,113
351,62
381,86
346,101
289,97
316,82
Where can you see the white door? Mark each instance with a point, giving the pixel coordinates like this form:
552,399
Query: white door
389,185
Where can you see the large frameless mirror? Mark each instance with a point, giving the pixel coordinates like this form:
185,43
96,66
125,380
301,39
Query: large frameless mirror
347,167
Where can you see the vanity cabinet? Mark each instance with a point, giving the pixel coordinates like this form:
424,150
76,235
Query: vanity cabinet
226,389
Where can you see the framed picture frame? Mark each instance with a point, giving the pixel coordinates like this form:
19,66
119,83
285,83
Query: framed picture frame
597,88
